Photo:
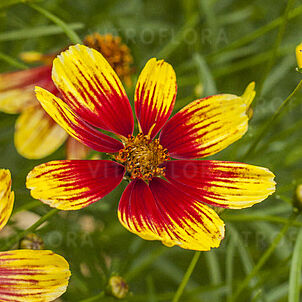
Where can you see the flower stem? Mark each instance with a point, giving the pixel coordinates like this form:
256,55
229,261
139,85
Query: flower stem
94,298
71,34
186,277
32,228
284,104
275,50
264,258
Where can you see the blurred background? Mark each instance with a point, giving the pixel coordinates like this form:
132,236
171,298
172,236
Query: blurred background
214,46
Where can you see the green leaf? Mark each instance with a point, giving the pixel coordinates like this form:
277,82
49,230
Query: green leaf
295,271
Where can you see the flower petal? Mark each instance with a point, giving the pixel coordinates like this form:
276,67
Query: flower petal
32,275
74,125
162,212
76,150
155,95
17,88
37,135
7,197
74,184
221,183
92,89
207,126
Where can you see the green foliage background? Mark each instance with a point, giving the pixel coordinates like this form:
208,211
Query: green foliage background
223,45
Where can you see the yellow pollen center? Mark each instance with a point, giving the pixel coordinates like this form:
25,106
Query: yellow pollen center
142,157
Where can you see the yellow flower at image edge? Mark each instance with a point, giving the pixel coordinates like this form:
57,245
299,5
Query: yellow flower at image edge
28,275
166,200
299,55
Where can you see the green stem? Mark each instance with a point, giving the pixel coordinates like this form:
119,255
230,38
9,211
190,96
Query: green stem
27,206
32,228
272,120
186,277
95,298
264,258
276,47
68,31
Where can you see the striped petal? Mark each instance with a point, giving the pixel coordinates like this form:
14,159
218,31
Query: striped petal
155,96
32,275
74,125
162,212
92,89
37,135
207,126
220,183
76,150
6,197
74,184
17,88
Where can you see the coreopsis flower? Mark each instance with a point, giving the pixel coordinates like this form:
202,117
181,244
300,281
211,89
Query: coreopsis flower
167,200
36,134
28,275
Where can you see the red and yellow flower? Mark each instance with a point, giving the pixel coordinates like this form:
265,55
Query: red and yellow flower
167,200
28,275
36,134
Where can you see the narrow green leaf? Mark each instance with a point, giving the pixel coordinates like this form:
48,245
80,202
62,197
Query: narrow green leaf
36,32
205,75
295,271
74,38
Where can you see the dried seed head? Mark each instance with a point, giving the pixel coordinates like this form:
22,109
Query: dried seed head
115,52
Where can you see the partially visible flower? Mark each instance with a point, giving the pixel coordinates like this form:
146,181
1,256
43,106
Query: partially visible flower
118,287
31,242
36,134
299,56
166,199
28,275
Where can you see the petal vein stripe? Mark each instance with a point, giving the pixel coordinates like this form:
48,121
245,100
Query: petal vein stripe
206,126
221,183
32,275
6,197
155,95
162,212
74,184
74,125
37,135
17,88
93,90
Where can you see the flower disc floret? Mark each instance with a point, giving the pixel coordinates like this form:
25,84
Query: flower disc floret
142,157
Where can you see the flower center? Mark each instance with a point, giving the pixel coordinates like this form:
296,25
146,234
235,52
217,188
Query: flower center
142,157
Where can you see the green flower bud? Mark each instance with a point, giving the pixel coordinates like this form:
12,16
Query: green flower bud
31,242
117,287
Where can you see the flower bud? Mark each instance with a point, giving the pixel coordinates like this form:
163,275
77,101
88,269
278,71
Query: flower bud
31,242
299,56
117,287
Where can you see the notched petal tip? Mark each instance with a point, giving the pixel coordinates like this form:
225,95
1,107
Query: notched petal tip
249,94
